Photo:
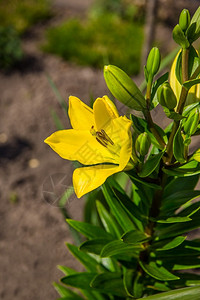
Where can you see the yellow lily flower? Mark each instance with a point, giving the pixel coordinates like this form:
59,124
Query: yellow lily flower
193,94
100,139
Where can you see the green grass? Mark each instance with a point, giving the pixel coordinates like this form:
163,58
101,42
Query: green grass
22,14
101,40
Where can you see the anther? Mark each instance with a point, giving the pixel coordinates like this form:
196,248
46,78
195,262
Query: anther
101,137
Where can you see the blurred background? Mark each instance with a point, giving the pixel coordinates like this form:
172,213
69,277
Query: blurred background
50,49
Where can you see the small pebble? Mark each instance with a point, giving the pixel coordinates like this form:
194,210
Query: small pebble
33,163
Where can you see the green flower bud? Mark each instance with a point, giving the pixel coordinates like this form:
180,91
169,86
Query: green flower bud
166,96
153,61
184,19
190,125
143,143
123,88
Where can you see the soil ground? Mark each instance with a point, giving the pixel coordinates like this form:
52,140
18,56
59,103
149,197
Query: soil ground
33,232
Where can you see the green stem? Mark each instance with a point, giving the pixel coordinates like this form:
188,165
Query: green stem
150,122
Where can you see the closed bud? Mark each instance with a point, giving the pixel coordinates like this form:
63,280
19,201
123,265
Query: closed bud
184,19
190,125
123,88
166,96
153,61
143,143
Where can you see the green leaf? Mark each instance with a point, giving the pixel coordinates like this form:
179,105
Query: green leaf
66,270
176,200
89,230
128,281
64,292
134,178
179,37
138,286
94,246
178,146
181,262
190,83
151,164
120,248
110,283
108,221
157,271
134,237
90,263
80,280
191,168
189,211
166,231
172,114
180,185
174,220
168,244
189,108
177,294
117,209
131,209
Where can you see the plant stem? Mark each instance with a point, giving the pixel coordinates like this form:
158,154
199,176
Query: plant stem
153,129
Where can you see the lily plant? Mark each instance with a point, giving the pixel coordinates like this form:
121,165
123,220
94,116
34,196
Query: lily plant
139,182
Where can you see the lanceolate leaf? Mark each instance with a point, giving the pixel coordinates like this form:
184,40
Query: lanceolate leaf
94,246
117,209
180,185
175,220
157,271
178,294
108,221
134,237
111,283
79,280
120,248
178,146
191,168
64,292
89,230
151,164
168,244
90,263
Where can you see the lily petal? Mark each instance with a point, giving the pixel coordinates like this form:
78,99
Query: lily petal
81,115
104,111
87,179
80,145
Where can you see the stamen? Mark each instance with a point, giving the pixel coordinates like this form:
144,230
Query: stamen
101,137
107,137
101,142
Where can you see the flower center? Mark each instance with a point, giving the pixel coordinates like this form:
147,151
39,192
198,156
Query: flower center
101,137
